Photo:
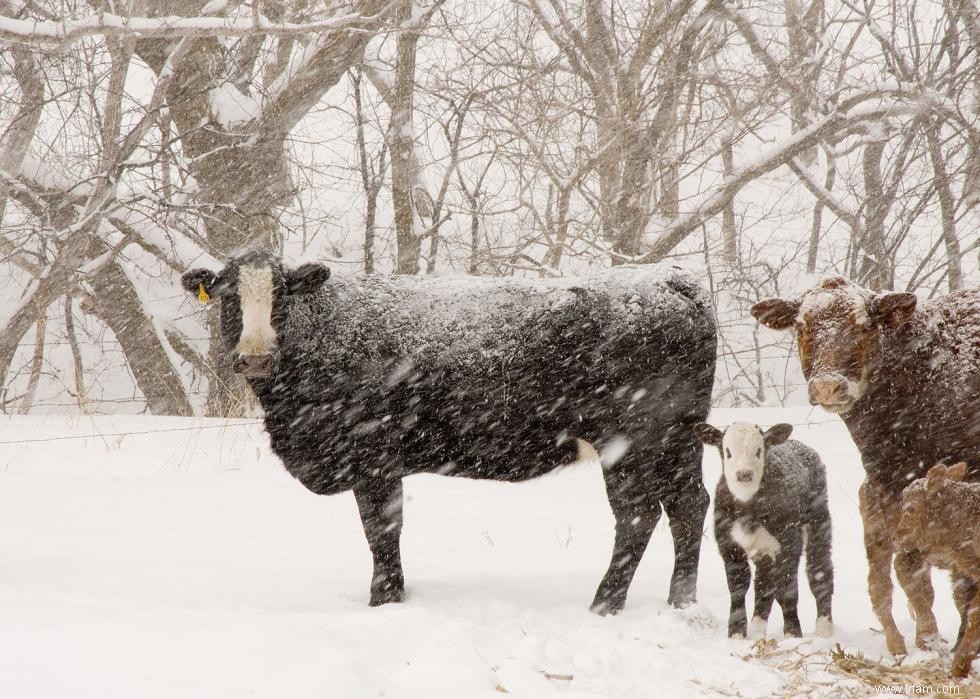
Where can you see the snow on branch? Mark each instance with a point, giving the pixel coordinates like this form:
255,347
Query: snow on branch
106,24
859,109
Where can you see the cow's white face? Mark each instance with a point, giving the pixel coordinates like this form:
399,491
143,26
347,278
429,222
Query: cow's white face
254,289
743,458
255,292
837,326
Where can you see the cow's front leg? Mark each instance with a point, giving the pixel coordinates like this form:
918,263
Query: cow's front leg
879,549
380,505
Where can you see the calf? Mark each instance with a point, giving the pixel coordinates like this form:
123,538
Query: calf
366,380
770,503
941,518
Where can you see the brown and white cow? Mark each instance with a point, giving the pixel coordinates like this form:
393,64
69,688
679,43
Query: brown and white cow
904,376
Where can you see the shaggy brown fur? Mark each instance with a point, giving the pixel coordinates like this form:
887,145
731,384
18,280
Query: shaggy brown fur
941,518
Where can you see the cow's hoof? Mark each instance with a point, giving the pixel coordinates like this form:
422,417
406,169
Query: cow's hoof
757,627
386,597
607,607
737,631
681,600
896,644
929,641
961,666
825,627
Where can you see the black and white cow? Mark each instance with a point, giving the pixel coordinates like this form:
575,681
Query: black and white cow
366,380
770,502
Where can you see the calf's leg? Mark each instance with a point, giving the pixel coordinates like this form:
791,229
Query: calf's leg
969,645
964,590
879,549
786,574
820,567
380,505
686,511
912,571
766,587
739,577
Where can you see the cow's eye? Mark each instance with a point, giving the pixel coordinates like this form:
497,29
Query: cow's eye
728,453
758,453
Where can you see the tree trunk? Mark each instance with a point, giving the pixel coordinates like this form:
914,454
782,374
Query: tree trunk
409,245
37,360
117,304
954,274
874,269
730,242
816,222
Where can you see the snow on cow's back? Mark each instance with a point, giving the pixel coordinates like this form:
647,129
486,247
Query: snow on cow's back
473,318
954,323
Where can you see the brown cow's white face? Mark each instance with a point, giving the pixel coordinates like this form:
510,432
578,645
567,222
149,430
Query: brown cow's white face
837,327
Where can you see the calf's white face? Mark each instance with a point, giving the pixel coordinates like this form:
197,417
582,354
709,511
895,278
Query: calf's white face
255,290
743,453
743,457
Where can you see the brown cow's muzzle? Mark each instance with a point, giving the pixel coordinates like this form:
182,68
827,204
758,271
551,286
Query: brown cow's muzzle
832,392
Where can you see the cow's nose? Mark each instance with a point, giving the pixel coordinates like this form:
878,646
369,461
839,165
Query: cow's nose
744,476
252,365
828,390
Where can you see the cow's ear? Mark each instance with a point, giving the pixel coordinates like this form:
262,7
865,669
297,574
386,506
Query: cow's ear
711,436
778,314
306,279
894,310
201,282
777,434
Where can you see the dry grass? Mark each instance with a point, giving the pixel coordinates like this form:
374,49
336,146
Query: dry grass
929,673
838,673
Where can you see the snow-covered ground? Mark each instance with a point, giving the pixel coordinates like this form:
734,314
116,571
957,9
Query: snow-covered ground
186,562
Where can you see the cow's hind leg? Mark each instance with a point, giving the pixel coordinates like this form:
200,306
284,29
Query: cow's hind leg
879,549
380,505
686,510
912,571
637,513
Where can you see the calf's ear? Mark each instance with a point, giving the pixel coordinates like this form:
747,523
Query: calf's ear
935,478
306,279
894,310
708,434
956,472
777,434
202,282
778,314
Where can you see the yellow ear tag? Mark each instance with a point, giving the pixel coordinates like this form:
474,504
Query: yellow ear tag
202,295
